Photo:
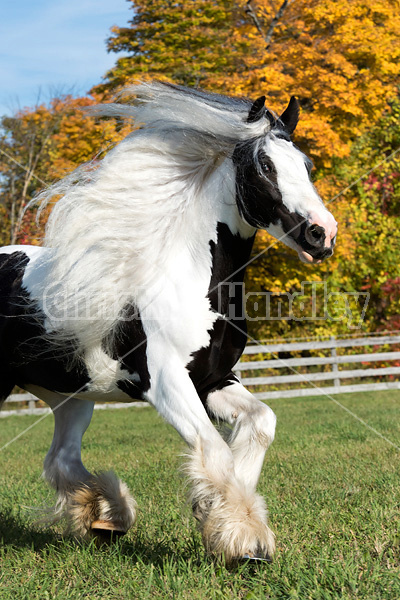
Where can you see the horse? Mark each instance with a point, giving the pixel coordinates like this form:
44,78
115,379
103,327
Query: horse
129,299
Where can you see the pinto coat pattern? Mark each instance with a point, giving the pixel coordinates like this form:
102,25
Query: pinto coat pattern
130,297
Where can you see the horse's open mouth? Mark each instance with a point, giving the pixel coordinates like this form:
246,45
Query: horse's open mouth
307,258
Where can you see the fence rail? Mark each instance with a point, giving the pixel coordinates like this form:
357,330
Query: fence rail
336,375
35,410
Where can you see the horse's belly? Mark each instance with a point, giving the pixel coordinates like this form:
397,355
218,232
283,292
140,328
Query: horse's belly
45,394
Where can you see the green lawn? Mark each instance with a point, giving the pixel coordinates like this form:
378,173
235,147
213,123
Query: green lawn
331,484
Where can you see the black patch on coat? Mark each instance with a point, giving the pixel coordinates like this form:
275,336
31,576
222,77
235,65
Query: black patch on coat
26,356
257,193
295,226
212,365
128,345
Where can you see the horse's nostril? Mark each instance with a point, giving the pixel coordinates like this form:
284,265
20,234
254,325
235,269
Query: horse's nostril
315,235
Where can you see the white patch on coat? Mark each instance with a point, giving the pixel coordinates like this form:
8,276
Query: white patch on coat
298,193
253,430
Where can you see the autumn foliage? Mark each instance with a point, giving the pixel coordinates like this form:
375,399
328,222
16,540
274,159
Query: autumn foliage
340,58
41,145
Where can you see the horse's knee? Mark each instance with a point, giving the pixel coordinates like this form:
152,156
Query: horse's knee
264,423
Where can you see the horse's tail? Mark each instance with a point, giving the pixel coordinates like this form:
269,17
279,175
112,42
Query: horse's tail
6,279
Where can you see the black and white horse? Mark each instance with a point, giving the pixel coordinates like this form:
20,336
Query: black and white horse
124,301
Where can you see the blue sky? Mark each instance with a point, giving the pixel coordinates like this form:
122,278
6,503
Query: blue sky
59,46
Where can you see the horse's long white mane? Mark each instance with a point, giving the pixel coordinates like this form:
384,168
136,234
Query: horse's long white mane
118,217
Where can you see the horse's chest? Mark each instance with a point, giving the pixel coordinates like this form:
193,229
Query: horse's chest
212,363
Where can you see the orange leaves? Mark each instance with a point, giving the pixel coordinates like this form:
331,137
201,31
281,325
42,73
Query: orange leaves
79,137
342,59
44,144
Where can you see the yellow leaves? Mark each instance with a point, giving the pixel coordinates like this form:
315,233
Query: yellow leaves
341,58
338,57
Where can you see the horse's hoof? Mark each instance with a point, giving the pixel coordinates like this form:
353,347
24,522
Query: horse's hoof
107,530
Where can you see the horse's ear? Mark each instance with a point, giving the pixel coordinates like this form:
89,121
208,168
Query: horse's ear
257,111
290,116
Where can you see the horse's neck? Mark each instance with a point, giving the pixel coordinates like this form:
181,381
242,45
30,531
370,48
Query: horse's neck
215,236
214,223
230,256
235,238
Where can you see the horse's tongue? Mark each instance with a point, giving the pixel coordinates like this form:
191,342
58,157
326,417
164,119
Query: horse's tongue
307,258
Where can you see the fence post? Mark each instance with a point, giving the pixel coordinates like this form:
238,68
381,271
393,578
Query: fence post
335,366
32,406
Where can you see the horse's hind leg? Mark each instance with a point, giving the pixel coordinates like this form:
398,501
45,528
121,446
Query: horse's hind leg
92,502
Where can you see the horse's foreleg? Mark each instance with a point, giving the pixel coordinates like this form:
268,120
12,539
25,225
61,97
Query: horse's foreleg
253,429
232,518
91,502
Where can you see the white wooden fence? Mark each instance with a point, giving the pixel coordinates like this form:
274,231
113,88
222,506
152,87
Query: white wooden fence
36,410
313,380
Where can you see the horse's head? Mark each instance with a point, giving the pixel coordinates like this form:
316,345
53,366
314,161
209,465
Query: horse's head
274,190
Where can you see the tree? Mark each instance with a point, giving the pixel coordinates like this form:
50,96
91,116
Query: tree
40,145
24,148
342,59
183,41
367,255
373,215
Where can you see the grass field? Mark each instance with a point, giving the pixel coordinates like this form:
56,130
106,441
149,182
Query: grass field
332,487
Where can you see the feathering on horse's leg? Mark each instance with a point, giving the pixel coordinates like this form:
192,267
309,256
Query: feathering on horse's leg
232,519
90,501
253,429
